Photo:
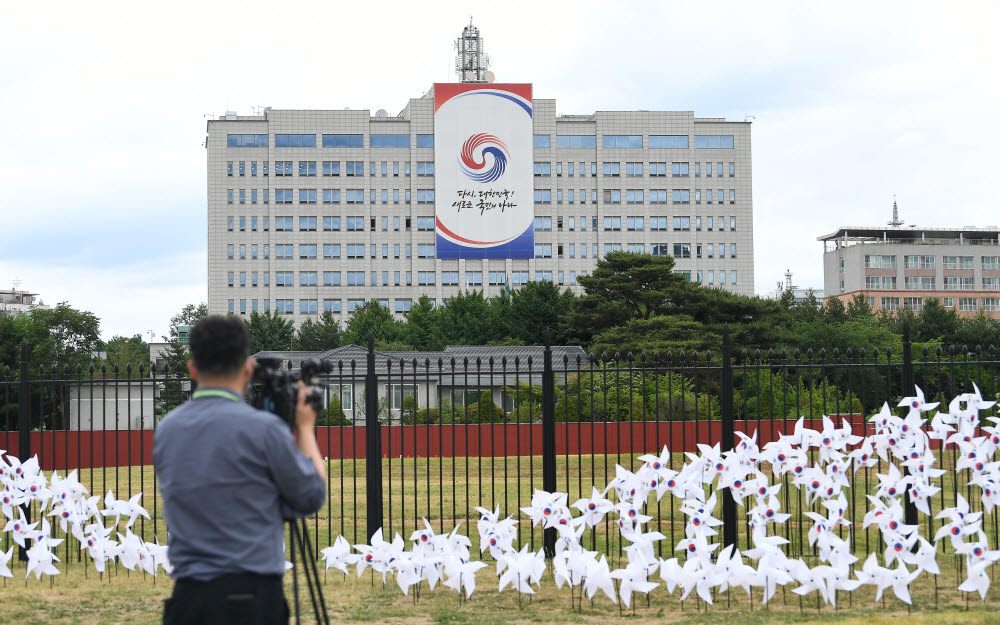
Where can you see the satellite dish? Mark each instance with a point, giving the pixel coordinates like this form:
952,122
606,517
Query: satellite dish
490,77
381,113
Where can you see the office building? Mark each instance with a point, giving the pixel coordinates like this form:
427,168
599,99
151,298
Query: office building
314,210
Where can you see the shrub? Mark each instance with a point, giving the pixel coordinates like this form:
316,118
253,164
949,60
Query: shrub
334,414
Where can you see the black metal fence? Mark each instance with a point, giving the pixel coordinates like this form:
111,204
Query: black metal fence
413,436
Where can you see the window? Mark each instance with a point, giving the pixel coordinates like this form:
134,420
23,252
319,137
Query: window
246,141
576,142
732,196
952,283
343,141
355,196
919,283
307,196
282,224
682,250
307,278
612,196
612,169
253,252
634,196
713,141
230,278
916,304
679,169
425,196
253,196
475,278
425,168
682,223
229,196
968,304
543,276
636,248
425,278
307,224
542,141
543,250
294,141
991,304
425,141
267,254
307,168
543,224
355,168
991,262
633,170
635,224
658,196
543,169
880,262
331,168
355,278
283,168
965,262
543,196
389,141
668,141
283,278
308,306
425,250
991,284
917,262
229,168
331,196
681,196
732,170
307,251
658,223
282,196
658,169
449,278
612,223
267,193
622,141
331,278
355,250
882,283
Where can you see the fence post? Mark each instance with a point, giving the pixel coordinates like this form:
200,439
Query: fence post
548,434
909,385
373,443
24,425
728,441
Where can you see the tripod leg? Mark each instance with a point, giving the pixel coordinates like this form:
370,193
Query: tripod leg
315,590
295,573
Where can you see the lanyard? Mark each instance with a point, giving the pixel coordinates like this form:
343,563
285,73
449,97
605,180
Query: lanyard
214,392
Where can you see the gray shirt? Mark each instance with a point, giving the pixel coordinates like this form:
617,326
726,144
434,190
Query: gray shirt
226,470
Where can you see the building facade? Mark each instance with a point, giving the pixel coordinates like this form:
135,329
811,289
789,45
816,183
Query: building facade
16,302
314,210
902,267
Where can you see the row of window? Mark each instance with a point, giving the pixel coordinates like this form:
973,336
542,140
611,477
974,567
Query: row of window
929,283
679,250
330,168
636,196
634,169
329,196
888,261
916,304
328,141
427,141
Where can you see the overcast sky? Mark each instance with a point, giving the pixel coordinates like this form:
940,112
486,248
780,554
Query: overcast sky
104,109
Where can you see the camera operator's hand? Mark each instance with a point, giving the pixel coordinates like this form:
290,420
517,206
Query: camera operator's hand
305,420
305,414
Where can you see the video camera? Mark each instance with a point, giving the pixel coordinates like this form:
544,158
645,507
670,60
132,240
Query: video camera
277,390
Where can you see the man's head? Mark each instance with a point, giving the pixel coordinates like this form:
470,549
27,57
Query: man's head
220,352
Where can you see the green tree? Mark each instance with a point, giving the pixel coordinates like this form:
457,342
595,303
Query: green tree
834,310
334,413
373,318
318,336
539,305
123,351
188,316
858,308
626,286
662,334
936,323
465,320
423,326
978,331
269,331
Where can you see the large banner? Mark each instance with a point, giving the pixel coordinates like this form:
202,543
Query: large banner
483,171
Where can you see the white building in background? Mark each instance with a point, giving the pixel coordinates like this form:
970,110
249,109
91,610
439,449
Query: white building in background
16,301
801,294
321,210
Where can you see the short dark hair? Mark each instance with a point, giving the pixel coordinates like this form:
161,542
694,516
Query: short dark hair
219,345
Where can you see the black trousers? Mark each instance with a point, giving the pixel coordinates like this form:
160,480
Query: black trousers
227,600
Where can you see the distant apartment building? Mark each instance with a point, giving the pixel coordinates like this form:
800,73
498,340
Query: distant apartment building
18,302
896,267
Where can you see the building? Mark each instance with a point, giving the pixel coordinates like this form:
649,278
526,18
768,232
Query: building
316,210
17,302
895,267
459,374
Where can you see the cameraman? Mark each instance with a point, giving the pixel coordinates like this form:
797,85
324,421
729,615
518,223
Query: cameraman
227,471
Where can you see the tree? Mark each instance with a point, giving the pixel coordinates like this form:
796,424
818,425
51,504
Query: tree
626,286
936,323
373,318
466,320
834,310
317,337
663,333
858,308
269,331
125,351
61,336
423,326
188,316
536,306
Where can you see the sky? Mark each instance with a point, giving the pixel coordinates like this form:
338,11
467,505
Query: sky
105,104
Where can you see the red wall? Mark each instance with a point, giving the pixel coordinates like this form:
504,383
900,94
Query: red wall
59,450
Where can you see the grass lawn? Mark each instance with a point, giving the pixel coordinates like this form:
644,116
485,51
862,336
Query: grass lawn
426,488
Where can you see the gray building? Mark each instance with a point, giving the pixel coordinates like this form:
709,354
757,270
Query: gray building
313,210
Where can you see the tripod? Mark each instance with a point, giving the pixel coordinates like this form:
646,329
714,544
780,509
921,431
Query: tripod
299,533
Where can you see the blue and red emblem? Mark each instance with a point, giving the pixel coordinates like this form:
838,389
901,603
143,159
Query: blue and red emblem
476,170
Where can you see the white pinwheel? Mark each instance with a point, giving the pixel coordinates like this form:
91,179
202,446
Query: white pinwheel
338,555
